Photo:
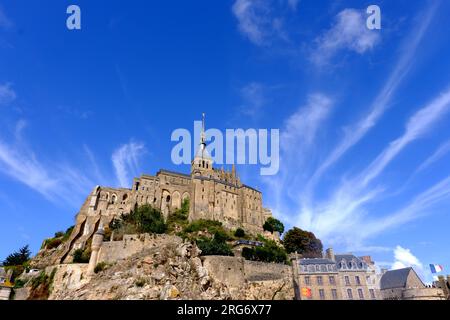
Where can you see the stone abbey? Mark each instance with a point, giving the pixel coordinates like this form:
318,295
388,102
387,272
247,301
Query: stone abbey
213,193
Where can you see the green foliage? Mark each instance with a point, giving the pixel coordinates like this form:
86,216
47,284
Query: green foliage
59,238
269,252
239,233
44,283
40,279
205,225
43,279
19,284
215,246
59,234
100,267
81,256
303,242
179,217
16,270
67,234
53,243
18,258
273,225
145,219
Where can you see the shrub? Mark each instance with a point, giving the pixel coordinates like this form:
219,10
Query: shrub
67,234
100,267
269,252
53,243
44,282
145,219
204,225
211,247
239,233
19,284
81,256
59,234
273,225
179,217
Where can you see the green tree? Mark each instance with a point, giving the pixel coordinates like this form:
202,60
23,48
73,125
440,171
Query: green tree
239,233
273,225
215,246
303,242
269,252
149,219
18,258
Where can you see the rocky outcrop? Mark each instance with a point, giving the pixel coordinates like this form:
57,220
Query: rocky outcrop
172,269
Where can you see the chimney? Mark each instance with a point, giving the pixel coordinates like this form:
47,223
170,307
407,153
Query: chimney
329,254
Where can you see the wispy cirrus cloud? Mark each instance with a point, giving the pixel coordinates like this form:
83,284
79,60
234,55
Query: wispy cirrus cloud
57,182
442,150
303,125
356,132
61,181
347,209
349,32
299,135
416,127
126,162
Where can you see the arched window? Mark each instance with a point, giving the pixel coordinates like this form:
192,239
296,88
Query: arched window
168,199
113,199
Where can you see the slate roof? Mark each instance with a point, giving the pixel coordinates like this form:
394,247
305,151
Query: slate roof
395,278
347,257
316,261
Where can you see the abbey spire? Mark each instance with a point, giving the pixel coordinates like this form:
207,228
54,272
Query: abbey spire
202,160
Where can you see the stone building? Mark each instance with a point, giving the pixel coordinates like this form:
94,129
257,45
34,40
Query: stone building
336,277
213,193
405,284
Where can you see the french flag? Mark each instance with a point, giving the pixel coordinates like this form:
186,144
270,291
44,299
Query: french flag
435,268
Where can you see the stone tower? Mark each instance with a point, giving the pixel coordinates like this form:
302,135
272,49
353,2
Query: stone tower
203,187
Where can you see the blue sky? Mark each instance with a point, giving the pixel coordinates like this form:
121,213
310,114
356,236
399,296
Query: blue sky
363,114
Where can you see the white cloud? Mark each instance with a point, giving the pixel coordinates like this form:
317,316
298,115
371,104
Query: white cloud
345,211
356,132
349,32
436,156
404,258
258,21
417,126
298,141
126,162
59,183
251,18
7,94
302,126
